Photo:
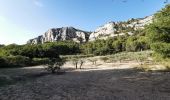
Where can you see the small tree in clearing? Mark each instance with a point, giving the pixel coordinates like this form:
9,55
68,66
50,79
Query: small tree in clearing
93,60
82,61
54,65
104,59
75,62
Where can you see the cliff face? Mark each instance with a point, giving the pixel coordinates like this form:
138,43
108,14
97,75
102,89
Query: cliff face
61,34
103,32
110,29
141,22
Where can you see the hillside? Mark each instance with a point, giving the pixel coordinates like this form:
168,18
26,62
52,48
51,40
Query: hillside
110,29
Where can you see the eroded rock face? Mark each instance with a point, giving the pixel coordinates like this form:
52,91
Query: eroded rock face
103,32
141,22
110,29
61,34
113,29
37,40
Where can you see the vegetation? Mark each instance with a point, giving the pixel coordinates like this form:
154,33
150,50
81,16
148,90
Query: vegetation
25,55
93,60
159,34
130,56
116,45
82,61
75,62
54,65
105,59
42,53
155,36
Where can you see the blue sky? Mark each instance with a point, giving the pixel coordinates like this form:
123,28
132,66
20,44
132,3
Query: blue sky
21,20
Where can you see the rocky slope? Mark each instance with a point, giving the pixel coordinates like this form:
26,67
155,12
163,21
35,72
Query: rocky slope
61,34
110,29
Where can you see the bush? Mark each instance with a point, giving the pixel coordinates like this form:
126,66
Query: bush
93,60
162,48
75,62
54,65
131,56
18,61
3,62
69,57
105,59
40,61
14,61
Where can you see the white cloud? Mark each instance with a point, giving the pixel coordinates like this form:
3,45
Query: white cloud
38,3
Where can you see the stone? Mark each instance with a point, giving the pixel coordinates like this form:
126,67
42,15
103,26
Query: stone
61,34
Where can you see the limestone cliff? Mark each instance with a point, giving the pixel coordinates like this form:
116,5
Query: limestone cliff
61,34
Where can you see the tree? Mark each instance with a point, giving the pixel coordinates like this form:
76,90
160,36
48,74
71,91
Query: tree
82,61
117,45
159,32
162,48
93,60
54,65
75,62
132,44
104,59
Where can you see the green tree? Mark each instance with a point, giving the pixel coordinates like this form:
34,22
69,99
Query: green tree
159,32
54,65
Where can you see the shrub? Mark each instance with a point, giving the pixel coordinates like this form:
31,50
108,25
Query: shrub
82,61
40,61
93,60
3,62
75,62
161,48
14,61
18,61
54,65
104,59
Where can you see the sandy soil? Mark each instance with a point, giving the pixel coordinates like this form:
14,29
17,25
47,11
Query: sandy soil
105,81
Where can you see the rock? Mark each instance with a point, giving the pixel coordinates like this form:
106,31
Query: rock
141,22
39,39
61,34
110,29
103,32
113,29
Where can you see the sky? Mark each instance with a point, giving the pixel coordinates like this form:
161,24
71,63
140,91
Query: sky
21,20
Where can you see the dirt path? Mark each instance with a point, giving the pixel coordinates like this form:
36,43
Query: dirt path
111,82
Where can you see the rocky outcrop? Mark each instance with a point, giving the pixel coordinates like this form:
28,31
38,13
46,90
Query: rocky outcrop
103,32
141,22
110,29
37,40
113,29
61,34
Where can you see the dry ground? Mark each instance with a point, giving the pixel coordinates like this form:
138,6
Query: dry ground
102,82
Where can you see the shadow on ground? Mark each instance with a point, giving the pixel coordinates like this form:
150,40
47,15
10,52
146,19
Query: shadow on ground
120,84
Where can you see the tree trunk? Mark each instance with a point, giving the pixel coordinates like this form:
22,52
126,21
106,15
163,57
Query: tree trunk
76,65
81,64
